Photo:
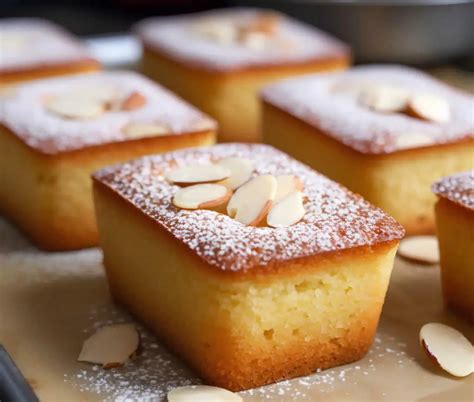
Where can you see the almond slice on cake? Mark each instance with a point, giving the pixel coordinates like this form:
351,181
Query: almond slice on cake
198,173
420,249
384,99
71,107
287,212
133,101
429,107
202,393
412,140
241,170
448,349
111,346
252,201
142,130
287,184
202,196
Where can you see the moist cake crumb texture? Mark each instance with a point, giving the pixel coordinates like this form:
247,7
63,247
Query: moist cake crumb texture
329,103
335,218
30,42
52,134
458,188
175,37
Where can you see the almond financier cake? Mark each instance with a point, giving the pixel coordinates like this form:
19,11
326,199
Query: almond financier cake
55,132
34,48
219,59
386,132
260,270
455,226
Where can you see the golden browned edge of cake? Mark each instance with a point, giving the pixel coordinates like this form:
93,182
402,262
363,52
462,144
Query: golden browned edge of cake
44,71
366,173
229,96
455,231
247,362
49,196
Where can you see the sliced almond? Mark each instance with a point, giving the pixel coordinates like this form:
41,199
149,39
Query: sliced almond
133,101
420,249
429,107
198,173
202,393
110,346
287,184
201,196
254,40
97,93
265,22
252,201
71,107
413,140
448,349
384,99
142,130
287,212
221,31
241,170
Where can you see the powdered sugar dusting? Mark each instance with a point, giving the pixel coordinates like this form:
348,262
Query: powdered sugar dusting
27,43
52,134
458,188
335,218
316,100
175,37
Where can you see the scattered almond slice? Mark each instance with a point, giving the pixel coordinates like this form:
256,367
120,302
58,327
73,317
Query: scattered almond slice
133,101
142,130
202,393
287,184
412,140
72,107
384,99
254,40
220,31
266,22
198,173
420,249
252,201
448,349
99,93
429,107
240,171
201,196
287,212
110,346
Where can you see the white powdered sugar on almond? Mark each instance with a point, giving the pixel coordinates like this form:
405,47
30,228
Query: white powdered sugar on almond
329,102
458,188
51,133
175,37
27,43
335,219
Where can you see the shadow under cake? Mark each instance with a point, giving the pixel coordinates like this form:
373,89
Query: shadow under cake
389,157
246,306
218,60
54,133
455,229
34,48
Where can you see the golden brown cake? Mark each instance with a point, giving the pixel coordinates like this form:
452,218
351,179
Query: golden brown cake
385,132
218,60
55,132
33,48
455,226
246,305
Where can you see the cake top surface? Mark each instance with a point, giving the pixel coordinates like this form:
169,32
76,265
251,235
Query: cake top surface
420,111
69,113
458,188
232,39
335,218
27,43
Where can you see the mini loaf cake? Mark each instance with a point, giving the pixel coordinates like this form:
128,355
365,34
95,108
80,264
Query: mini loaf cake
34,48
455,226
386,132
55,132
248,264
219,59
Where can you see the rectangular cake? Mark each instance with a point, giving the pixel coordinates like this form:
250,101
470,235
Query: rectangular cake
219,59
55,132
385,132
265,270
